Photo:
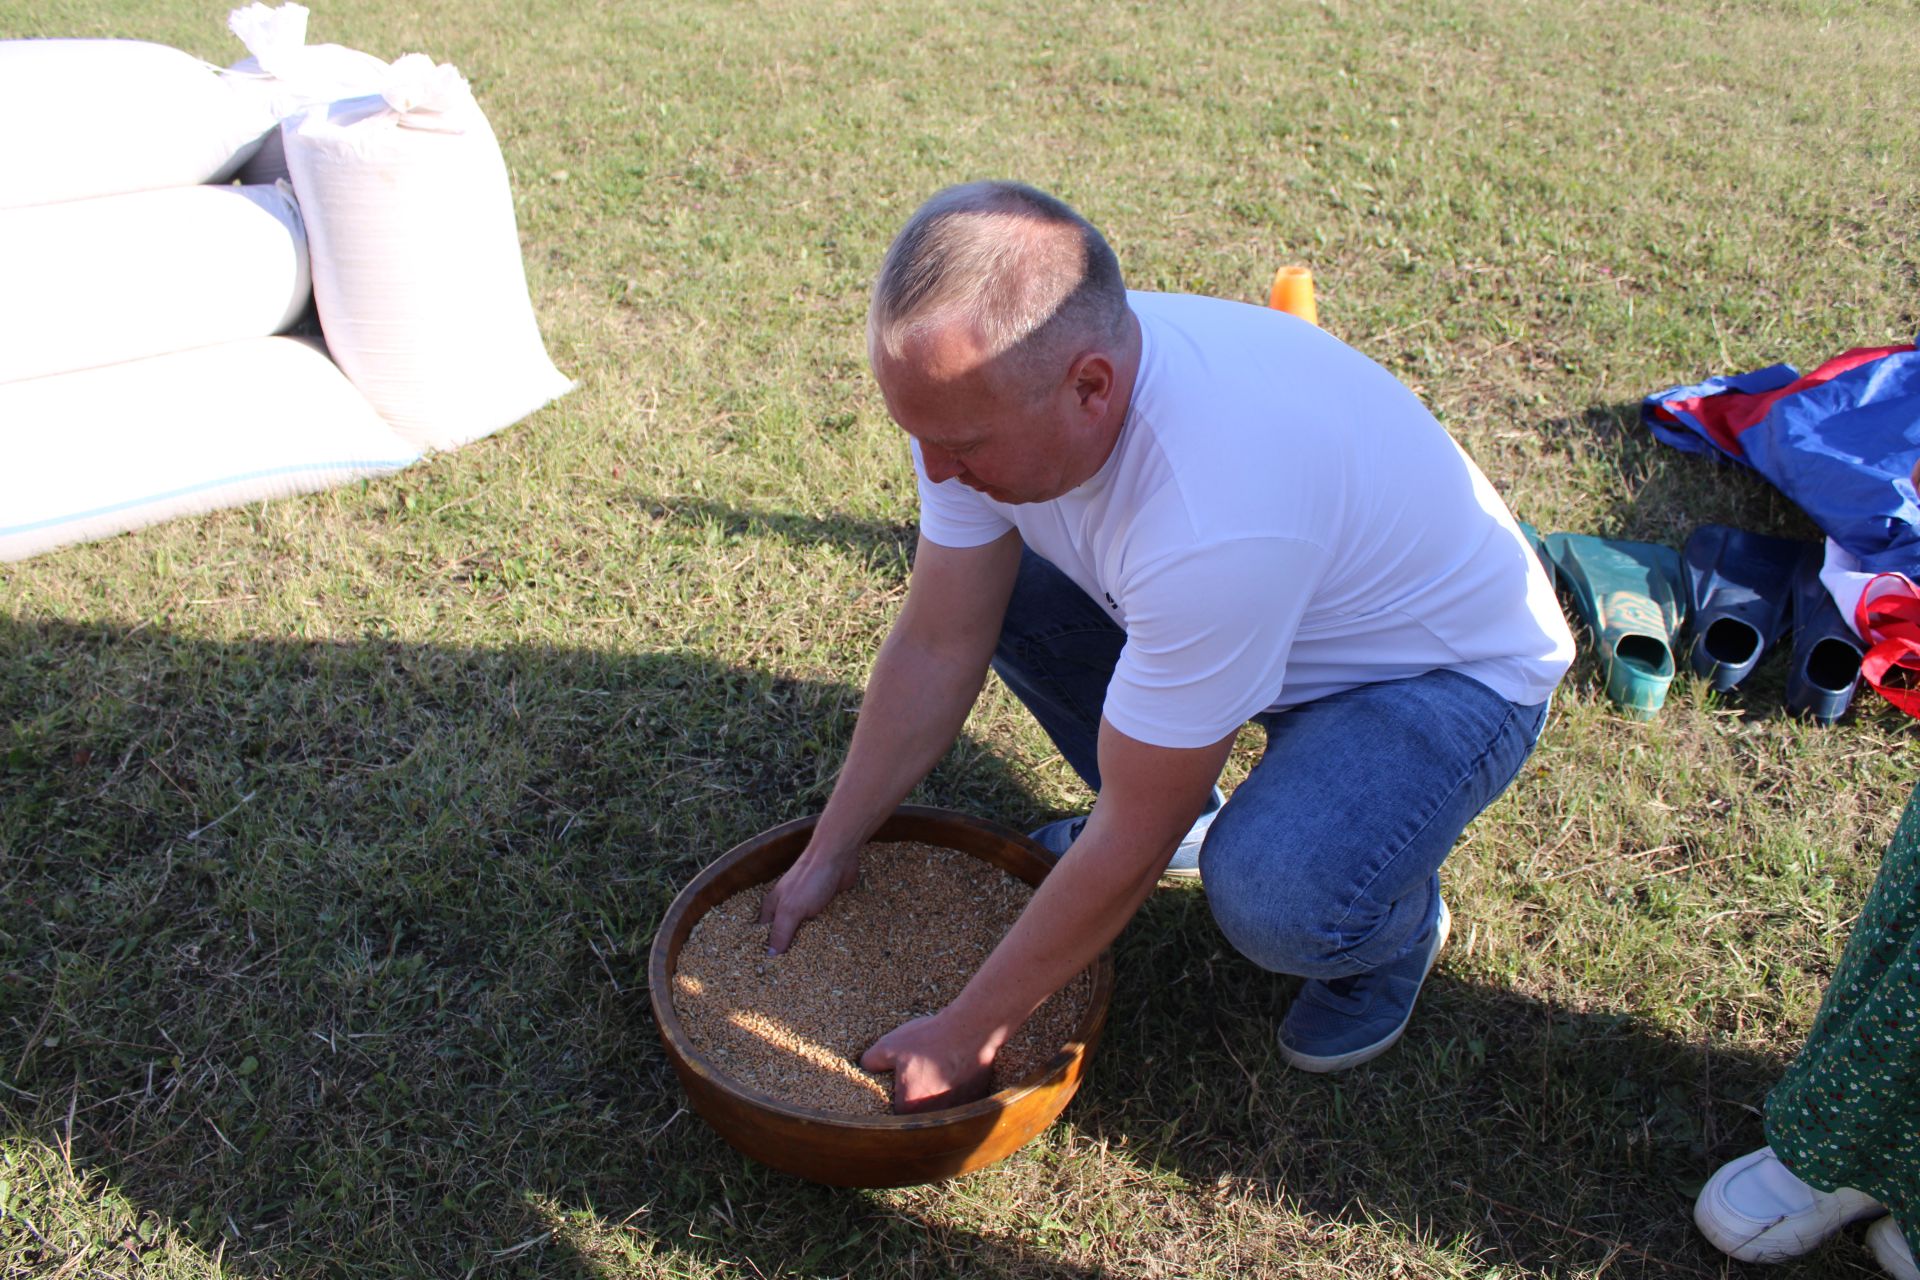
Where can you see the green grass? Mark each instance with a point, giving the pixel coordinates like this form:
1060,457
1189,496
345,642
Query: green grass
333,833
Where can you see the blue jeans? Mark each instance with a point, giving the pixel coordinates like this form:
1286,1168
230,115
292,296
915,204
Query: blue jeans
1325,861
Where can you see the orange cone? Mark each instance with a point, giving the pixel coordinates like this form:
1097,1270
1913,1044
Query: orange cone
1293,293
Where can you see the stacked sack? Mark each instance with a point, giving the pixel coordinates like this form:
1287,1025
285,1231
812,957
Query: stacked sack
143,369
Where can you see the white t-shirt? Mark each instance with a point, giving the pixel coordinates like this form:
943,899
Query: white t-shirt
1280,520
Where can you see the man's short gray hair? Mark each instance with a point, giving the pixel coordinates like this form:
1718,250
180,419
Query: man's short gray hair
1028,274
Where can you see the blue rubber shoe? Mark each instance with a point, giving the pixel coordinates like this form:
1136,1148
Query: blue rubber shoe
1347,1021
1738,588
1057,837
1826,653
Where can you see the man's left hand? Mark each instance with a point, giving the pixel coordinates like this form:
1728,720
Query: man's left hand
932,1067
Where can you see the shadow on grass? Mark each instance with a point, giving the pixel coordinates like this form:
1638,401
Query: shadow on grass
884,547
330,959
1660,494
1548,1138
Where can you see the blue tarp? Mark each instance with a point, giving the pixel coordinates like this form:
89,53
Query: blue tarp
1842,443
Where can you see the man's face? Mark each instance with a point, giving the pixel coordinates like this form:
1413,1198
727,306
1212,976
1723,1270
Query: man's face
974,427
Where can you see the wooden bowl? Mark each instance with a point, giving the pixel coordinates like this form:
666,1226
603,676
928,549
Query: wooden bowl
866,1151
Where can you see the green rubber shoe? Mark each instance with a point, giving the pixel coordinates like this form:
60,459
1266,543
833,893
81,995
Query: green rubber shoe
1632,596
1539,545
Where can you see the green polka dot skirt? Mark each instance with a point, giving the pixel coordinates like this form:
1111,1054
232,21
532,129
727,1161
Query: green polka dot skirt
1847,1113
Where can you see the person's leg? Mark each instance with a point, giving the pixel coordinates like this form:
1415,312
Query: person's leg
1845,1112
1057,651
1324,863
1839,1122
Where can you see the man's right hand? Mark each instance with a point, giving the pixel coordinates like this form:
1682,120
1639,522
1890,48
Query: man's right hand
803,893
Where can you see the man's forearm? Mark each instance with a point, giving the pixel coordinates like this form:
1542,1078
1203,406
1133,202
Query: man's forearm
946,1059
916,701
1081,907
1151,797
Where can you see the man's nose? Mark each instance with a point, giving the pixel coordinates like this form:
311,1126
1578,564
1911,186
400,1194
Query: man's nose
940,464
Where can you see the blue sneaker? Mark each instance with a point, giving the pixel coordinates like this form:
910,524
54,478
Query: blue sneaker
1347,1021
1057,837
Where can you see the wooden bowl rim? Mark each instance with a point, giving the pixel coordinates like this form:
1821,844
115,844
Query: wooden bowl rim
660,991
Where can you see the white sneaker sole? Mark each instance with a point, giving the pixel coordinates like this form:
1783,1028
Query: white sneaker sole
1195,837
1367,1053
1890,1250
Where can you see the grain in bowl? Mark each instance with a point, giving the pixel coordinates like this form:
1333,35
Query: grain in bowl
899,945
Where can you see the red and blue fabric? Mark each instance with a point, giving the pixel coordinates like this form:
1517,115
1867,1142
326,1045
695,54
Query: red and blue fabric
1841,442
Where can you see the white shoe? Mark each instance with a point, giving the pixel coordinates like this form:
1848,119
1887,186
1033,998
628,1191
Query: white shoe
1890,1249
1057,837
1755,1210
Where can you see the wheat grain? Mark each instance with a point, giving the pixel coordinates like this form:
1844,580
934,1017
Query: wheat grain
899,945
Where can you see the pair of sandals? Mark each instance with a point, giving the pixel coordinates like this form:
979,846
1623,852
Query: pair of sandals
1742,593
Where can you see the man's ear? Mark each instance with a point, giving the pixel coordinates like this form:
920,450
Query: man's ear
1093,382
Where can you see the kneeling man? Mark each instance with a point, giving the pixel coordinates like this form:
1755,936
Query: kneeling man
1159,517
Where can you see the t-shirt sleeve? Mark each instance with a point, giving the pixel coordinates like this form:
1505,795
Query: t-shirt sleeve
1208,634
953,515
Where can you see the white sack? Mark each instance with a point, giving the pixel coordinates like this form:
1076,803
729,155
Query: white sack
416,260
92,282
82,118
295,75
90,454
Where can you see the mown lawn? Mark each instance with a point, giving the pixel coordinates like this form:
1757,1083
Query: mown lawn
333,832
